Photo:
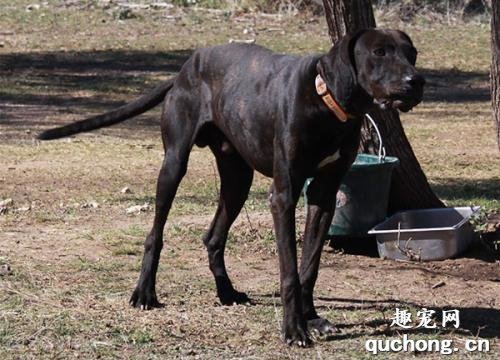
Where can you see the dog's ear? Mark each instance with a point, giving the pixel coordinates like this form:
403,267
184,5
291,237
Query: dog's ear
338,68
412,53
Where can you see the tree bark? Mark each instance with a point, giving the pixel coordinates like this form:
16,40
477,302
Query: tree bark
495,65
347,16
409,188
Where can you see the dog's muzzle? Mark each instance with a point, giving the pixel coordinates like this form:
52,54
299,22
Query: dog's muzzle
406,97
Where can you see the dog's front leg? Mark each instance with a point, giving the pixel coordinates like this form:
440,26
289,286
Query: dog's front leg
284,196
321,194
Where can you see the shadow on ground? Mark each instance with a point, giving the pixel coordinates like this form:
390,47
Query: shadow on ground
36,86
359,245
455,86
476,321
96,62
467,190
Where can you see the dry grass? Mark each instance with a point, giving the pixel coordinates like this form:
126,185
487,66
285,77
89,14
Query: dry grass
74,266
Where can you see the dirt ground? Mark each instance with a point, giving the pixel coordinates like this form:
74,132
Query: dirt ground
71,254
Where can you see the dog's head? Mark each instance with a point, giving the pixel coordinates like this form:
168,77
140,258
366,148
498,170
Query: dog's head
379,63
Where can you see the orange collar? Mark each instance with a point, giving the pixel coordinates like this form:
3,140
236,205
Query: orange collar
329,101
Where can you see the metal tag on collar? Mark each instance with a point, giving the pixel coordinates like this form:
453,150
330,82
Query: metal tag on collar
320,85
322,91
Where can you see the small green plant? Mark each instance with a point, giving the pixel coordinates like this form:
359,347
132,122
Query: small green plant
479,220
141,336
125,14
488,233
126,249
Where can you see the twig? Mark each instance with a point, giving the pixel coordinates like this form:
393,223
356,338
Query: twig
438,284
407,251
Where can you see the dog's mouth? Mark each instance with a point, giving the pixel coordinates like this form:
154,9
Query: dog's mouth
397,102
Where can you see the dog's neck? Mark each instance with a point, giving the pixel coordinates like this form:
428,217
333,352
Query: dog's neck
344,109
329,100
345,92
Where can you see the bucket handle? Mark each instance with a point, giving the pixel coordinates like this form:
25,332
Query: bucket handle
381,148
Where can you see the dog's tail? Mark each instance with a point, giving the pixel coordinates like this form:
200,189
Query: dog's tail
134,108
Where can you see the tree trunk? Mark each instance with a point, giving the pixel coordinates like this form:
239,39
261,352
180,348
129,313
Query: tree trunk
347,16
495,64
409,188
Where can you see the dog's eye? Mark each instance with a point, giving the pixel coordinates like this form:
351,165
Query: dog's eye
379,52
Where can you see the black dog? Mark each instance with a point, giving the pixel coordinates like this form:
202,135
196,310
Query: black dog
287,117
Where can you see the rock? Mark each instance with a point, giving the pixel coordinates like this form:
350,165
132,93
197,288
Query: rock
242,41
5,270
32,7
91,204
4,205
137,209
161,5
134,6
125,14
24,208
6,202
126,190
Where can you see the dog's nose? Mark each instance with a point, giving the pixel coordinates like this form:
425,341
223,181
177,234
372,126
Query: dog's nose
414,80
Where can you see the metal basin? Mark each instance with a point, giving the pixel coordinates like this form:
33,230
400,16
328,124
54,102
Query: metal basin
429,234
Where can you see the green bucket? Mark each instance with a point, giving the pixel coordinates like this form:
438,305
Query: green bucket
364,194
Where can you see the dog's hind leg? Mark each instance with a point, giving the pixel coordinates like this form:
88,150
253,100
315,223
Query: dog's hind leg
178,140
236,178
171,173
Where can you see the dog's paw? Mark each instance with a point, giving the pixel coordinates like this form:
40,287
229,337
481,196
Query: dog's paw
320,328
227,294
233,297
144,299
296,335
